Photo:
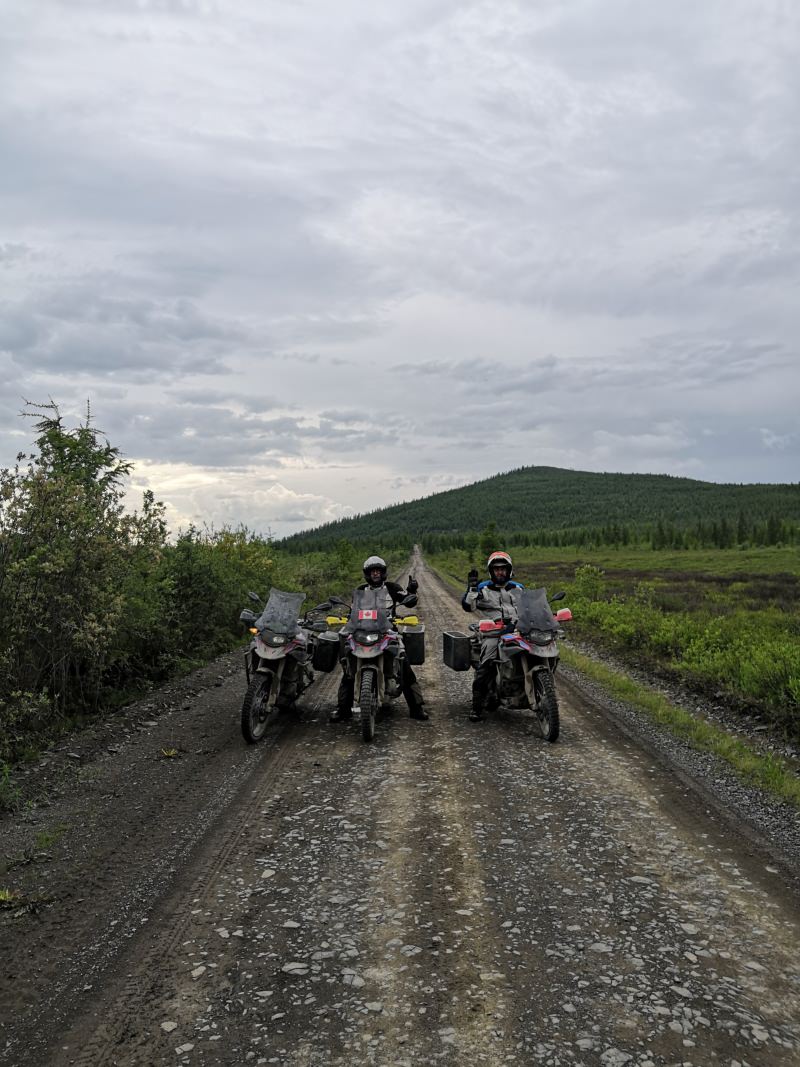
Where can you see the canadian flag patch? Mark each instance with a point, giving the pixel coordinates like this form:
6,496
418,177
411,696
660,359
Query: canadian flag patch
367,613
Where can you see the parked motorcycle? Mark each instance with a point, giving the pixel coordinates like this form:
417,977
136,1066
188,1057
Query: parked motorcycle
374,647
527,656
278,661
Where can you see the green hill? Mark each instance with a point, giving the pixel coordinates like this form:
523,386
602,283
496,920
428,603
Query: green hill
552,505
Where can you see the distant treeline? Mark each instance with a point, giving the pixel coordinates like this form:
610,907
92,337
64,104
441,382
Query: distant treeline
551,507
722,534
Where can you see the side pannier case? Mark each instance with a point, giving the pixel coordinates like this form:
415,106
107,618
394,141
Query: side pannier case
414,643
326,652
456,650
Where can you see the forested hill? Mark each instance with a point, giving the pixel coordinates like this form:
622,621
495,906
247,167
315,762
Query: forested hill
575,505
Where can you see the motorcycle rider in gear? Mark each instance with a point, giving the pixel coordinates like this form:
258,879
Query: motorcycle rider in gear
375,571
495,598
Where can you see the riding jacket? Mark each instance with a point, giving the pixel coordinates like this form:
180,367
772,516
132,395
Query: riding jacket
494,600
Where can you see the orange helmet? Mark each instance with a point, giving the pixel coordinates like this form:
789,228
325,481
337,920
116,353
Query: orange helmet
499,557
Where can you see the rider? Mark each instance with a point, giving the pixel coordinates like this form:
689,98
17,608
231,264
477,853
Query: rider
375,574
494,597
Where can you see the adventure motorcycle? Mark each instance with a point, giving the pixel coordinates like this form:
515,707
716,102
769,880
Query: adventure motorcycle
526,656
375,645
278,660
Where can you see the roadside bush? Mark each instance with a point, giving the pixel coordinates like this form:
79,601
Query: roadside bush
751,656
588,584
97,603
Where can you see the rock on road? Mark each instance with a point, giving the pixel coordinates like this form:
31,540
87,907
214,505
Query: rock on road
453,893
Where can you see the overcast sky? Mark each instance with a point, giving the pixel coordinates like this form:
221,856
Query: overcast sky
307,258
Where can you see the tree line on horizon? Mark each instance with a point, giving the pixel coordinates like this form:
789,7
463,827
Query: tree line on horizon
546,506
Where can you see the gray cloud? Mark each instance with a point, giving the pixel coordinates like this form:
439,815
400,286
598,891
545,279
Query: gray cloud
337,245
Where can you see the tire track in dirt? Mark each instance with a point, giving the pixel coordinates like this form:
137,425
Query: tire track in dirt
456,892
131,830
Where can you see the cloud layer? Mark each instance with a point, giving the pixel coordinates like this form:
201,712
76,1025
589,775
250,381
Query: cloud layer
308,259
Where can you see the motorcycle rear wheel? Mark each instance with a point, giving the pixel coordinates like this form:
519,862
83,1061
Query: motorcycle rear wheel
547,708
368,700
256,713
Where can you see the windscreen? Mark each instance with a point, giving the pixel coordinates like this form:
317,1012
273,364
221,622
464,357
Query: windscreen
534,613
368,612
280,614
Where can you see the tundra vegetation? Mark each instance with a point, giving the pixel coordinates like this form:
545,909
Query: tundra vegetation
98,603
724,622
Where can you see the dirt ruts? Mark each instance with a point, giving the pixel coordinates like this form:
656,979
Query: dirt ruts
454,892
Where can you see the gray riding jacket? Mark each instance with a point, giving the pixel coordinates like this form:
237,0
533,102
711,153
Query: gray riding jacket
494,601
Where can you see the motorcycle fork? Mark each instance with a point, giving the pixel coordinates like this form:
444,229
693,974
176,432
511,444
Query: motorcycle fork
533,667
275,688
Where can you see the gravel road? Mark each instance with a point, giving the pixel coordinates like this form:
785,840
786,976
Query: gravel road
453,893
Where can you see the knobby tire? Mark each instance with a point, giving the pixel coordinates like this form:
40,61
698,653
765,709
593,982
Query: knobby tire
368,700
547,710
255,713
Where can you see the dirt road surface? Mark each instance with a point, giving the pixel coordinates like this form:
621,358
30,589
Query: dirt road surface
453,893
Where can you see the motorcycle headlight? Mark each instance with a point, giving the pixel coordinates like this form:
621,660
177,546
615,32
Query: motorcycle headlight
372,637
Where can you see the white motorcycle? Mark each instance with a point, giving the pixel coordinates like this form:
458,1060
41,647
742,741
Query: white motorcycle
277,661
375,645
526,660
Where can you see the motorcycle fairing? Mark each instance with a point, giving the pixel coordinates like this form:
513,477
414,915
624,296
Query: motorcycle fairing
295,646
280,613
368,613
360,644
534,612
514,643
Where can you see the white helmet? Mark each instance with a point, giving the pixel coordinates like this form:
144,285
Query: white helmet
373,563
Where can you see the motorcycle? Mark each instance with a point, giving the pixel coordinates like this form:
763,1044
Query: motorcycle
527,657
278,660
375,645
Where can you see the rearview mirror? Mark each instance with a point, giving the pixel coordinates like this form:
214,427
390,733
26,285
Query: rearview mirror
247,616
409,601
558,596
254,597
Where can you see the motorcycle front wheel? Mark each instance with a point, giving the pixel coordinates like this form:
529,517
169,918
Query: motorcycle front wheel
368,700
255,708
547,708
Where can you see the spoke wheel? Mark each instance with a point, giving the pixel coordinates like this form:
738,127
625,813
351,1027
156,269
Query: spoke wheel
368,700
547,709
256,712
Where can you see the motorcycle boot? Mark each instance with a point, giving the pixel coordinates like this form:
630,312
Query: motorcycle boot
477,714
481,684
344,700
